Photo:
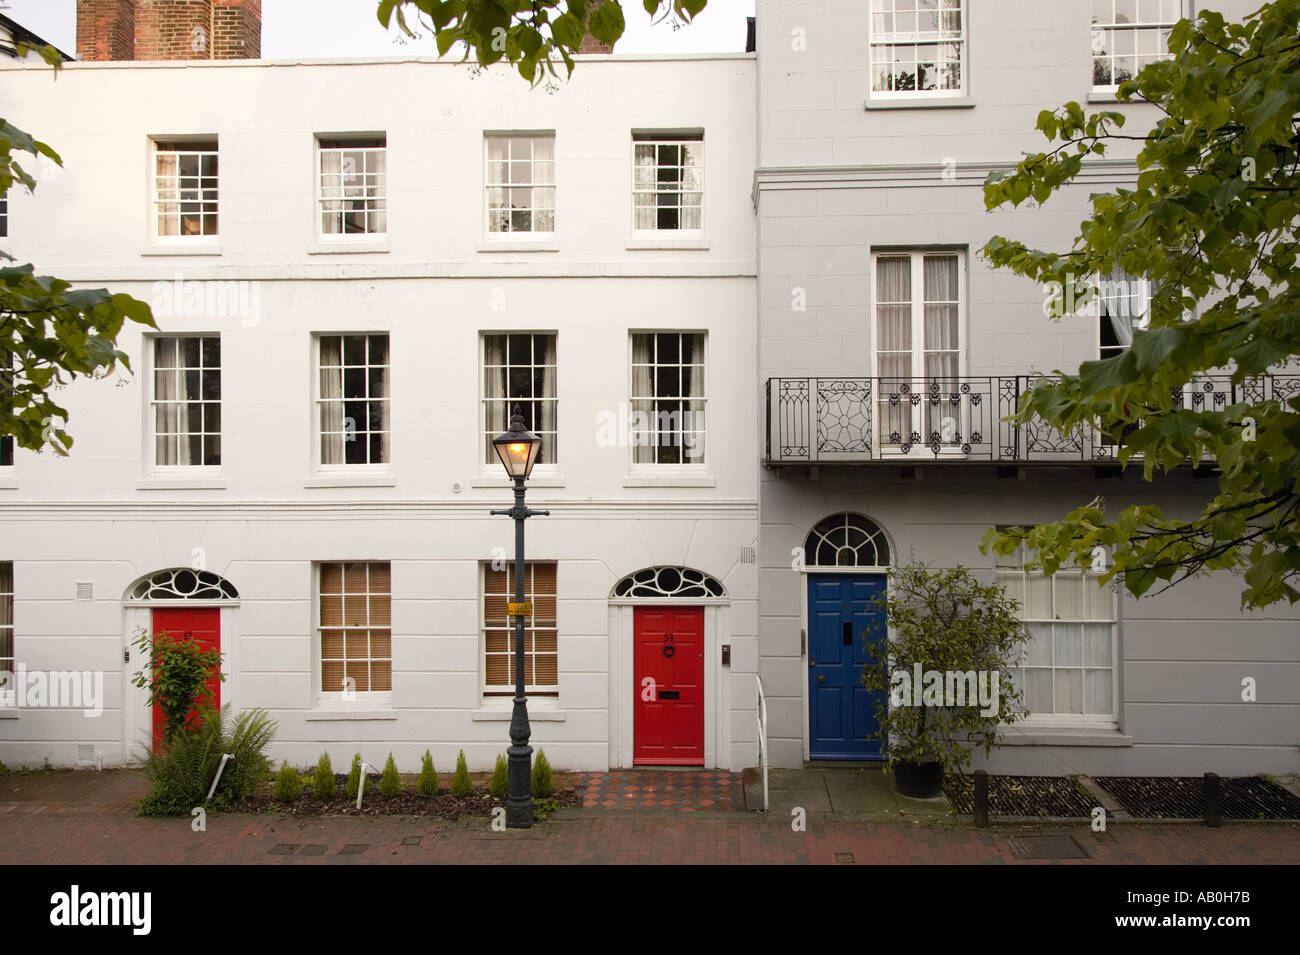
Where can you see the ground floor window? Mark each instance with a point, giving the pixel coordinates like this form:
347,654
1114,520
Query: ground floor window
355,627
541,636
1067,668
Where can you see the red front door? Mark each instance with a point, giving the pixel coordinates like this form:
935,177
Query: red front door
204,625
668,727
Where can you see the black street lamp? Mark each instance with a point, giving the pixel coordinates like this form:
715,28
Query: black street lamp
518,449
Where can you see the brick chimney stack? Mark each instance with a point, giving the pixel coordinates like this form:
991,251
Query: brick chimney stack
169,29
589,43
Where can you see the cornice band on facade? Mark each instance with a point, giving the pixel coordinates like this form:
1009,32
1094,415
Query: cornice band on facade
966,174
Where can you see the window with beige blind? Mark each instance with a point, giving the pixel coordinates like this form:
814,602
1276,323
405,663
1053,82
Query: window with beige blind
541,656
355,627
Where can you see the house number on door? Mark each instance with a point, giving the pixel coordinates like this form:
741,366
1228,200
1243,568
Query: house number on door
669,649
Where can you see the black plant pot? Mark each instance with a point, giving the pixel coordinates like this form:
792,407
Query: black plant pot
918,780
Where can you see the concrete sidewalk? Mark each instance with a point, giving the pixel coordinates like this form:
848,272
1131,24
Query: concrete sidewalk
857,791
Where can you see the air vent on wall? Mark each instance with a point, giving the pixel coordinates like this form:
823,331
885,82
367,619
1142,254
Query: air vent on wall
85,590
747,555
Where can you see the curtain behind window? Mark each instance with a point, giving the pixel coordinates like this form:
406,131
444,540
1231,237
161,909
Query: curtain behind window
643,406
941,341
331,404
894,317
171,408
495,385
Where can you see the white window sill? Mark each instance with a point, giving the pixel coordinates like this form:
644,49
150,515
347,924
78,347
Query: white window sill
384,479
8,712
667,242
538,712
316,716
1019,735
8,482
1104,96
933,102
537,480
206,248
519,245
180,483
677,479
326,247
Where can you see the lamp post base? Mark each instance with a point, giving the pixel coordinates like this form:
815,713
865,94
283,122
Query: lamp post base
519,802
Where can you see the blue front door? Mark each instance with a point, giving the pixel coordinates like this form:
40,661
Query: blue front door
841,619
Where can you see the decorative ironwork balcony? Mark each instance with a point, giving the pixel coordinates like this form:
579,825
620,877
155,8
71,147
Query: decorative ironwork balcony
857,420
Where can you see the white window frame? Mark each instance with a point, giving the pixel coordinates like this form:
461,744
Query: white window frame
1103,36
1012,567
534,183
917,256
657,139
366,144
151,345
499,691
382,467
160,146
691,465
886,40
490,463
343,697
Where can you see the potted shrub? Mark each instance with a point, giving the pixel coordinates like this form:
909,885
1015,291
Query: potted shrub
945,673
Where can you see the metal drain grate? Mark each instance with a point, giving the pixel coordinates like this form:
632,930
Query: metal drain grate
1058,796
1183,797
1046,847
283,849
412,840
844,858
313,849
354,849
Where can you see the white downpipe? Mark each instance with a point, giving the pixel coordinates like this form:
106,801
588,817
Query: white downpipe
361,786
762,737
220,769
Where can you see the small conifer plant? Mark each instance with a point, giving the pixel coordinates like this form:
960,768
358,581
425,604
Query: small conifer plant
500,778
390,783
288,784
427,784
541,776
354,777
460,784
323,782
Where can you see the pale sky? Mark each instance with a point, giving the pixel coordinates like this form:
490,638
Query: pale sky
306,28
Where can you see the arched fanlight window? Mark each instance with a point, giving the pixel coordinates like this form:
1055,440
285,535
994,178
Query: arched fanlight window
668,582
182,583
846,540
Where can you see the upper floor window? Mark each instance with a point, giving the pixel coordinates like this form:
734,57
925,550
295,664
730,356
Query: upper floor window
353,196
668,183
186,401
185,188
668,398
917,47
4,216
6,387
1127,35
521,183
519,372
353,398
1124,304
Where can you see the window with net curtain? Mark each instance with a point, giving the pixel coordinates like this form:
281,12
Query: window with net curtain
519,372
918,336
353,186
185,189
521,183
668,183
668,398
1066,670
353,401
355,628
6,622
187,401
541,647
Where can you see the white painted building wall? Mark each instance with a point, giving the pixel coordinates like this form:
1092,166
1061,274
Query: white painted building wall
104,515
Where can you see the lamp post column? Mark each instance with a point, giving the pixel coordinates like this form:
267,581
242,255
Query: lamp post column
519,803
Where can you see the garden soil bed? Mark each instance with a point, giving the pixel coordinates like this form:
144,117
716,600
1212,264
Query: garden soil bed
408,803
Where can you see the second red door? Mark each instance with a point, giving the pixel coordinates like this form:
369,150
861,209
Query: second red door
668,665
204,625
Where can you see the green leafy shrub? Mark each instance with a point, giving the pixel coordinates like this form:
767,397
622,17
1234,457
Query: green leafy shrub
541,776
181,773
176,673
3,769
323,782
460,784
390,783
543,807
288,784
500,778
427,784
354,777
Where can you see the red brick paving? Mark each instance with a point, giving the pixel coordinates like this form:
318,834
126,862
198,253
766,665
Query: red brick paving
41,822
689,791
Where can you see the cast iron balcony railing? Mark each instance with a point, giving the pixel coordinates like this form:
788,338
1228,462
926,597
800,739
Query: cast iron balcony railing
858,420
